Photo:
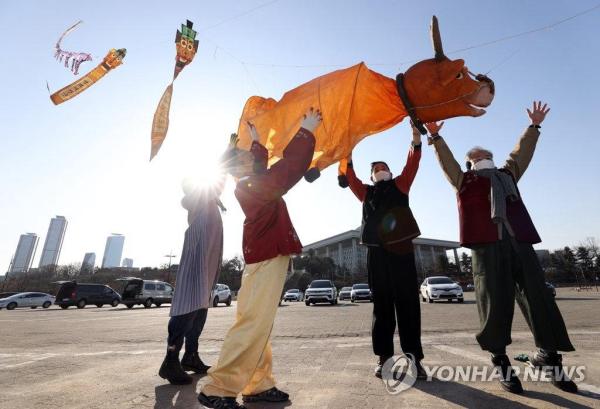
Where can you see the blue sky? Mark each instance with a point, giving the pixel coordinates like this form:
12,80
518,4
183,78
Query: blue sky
88,158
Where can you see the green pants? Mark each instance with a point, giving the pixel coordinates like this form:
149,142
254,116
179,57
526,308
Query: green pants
506,270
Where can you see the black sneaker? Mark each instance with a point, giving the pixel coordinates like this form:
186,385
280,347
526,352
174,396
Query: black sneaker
270,395
379,366
552,363
509,382
172,371
219,402
192,362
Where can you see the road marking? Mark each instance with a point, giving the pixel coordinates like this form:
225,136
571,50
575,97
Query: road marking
34,357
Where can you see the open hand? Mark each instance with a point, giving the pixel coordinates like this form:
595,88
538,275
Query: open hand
434,127
233,141
312,119
538,114
253,132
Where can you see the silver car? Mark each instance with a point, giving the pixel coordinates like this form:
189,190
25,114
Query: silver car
145,292
221,294
293,294
344,293
29,299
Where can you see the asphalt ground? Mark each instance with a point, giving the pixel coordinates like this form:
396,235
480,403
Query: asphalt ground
109,357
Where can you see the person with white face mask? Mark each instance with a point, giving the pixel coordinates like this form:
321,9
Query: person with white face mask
388,228
495,225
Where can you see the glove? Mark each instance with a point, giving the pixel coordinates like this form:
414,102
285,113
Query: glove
312,119
253,132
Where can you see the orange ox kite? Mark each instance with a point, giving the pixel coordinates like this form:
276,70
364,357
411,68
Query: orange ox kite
357,102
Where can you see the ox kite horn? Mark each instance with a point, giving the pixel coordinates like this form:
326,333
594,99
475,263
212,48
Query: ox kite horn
436,39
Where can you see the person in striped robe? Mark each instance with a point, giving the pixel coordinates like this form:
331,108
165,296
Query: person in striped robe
196,277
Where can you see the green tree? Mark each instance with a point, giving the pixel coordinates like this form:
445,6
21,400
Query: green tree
466,263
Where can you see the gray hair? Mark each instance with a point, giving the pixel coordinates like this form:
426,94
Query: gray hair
475,149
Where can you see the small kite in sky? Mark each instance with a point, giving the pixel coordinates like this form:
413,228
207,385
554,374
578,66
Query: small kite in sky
113,59
76,58
187,46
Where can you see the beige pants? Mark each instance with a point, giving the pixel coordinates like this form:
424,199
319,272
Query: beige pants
246,361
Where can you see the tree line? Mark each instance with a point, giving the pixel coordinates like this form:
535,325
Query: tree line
578,265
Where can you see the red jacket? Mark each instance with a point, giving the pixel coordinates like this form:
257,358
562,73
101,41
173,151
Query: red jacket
474,209
403,181
268,230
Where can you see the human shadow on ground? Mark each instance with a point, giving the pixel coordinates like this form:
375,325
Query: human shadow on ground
187,396
556,400
466,396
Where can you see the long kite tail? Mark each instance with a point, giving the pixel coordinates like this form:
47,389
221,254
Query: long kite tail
66,32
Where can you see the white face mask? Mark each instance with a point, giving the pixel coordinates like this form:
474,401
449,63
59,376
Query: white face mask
484,164
381,175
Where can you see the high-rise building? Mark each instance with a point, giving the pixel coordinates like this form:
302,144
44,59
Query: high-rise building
25,253
89,262
113,251
127,263
54,241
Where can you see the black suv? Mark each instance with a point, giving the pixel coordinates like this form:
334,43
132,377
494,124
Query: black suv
80,294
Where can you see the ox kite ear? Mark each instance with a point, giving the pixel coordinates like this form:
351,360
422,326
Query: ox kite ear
449,70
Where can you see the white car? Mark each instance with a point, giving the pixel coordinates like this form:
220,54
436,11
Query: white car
321,291
361,292
221,294
440,288
293,294
30,299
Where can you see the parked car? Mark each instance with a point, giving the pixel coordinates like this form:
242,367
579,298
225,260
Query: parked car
81,294
145,292
440,288
321,291
470,287
221,295
360,292
29,299
345,293
293,294
551,289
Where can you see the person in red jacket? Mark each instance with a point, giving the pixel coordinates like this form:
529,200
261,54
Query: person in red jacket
495,225
269,238
388,228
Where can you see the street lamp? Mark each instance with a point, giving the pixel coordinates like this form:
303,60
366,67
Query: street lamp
169,256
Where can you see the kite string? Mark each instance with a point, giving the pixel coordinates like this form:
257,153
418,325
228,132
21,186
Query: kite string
242,14
475,46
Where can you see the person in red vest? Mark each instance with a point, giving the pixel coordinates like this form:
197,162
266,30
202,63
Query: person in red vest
495,225
245,362
388,227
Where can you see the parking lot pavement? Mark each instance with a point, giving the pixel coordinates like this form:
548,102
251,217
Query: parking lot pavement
109,357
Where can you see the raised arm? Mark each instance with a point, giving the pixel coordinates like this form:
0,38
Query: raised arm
405,179
521,156
296,156
356,185
449,165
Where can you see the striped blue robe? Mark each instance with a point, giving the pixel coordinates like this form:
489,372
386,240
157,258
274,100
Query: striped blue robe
202,252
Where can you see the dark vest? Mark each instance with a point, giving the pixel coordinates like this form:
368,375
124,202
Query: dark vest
474,212
387,218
